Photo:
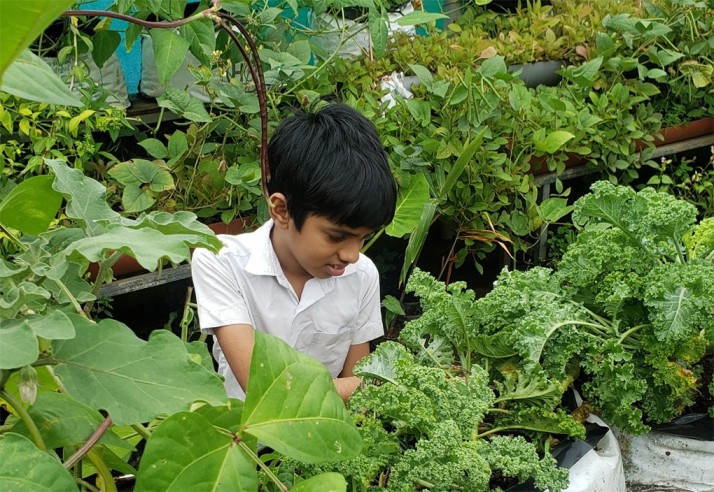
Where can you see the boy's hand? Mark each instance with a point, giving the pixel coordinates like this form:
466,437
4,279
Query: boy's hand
346,383
346,386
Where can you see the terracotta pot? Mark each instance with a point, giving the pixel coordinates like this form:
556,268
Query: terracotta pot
539,166
693,129
126,266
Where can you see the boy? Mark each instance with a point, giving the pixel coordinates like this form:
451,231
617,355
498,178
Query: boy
301,276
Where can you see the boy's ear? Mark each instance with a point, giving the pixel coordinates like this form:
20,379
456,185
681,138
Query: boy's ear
278,208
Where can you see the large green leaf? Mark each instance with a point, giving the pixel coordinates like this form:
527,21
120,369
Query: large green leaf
148,246
86,198
326,482
108,367
409,205
201,35
30,77
21,21
63,421
19,345
186,452
24,468
55,325
31,205
180,224
292,405
170,51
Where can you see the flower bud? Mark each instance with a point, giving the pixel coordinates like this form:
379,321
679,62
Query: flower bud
28,384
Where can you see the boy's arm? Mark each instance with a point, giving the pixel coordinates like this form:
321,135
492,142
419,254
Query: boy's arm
346,383
236,342
237,345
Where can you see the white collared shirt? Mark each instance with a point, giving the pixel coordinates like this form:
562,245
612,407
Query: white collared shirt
244,284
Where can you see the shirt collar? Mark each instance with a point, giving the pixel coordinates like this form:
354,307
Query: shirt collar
264,261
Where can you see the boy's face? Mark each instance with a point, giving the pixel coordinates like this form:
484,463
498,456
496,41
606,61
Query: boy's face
323,248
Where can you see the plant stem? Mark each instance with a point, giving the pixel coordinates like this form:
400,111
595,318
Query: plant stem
87,485
134,20
87,446
629,332
186,308
102,470
25,417
246,449
141,430
13,238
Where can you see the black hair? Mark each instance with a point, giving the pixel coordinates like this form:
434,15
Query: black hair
331,163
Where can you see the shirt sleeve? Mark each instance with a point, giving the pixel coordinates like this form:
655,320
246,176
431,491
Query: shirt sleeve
218,293
369,320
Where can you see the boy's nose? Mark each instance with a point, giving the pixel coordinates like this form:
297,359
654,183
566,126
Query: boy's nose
349,254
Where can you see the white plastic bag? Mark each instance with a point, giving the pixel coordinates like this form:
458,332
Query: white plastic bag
601,469
109,77
665,460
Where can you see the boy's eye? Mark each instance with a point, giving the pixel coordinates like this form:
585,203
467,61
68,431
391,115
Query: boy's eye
335,239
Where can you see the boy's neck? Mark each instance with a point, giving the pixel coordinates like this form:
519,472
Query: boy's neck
293,271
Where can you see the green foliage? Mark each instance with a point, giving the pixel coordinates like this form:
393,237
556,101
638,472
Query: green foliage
87,366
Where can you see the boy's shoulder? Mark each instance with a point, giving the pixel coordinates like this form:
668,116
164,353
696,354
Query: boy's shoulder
239,245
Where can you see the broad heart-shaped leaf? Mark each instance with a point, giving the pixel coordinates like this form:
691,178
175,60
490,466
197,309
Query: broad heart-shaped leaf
293,407
21,21
108,367
170,50
136,199
148,246
326,482
19,345
86,198
185,452
411,202
31,205
30,77
63,421
24,468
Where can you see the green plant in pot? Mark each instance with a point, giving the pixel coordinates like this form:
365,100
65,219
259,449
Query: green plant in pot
672,41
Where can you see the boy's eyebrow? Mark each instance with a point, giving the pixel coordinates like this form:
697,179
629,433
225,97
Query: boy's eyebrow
347,232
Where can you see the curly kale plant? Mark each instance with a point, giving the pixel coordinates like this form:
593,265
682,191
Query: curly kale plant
430,427
644,263
628,314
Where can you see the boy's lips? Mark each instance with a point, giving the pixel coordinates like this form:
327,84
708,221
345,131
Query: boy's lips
337,270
